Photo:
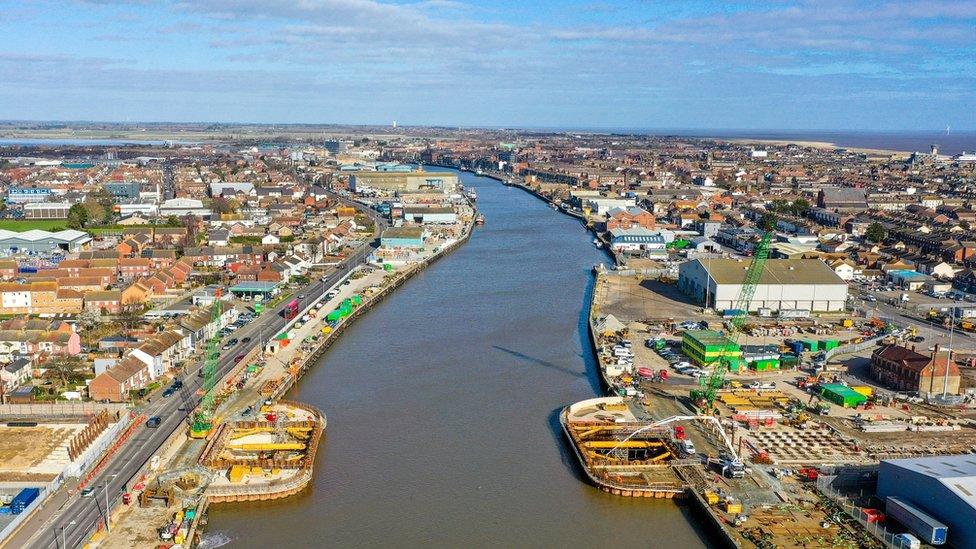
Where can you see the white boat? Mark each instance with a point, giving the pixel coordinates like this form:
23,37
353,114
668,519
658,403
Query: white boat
597,243
472,194
479,172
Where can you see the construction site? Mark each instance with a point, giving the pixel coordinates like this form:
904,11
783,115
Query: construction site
741,414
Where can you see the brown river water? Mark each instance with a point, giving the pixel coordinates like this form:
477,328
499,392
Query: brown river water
442,408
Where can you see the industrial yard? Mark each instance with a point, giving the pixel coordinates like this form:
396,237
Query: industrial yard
795,401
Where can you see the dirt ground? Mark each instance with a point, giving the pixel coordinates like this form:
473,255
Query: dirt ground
22,448
632,298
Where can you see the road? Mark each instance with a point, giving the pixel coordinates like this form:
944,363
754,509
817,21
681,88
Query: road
933,332
76,518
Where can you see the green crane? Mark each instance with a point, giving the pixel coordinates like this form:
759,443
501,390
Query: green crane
203,418
708,385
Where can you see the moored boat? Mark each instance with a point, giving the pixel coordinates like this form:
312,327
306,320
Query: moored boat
479,219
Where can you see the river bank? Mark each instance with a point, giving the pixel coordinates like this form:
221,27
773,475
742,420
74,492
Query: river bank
443,404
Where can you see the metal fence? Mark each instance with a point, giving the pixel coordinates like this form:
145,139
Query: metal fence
29,510
875,528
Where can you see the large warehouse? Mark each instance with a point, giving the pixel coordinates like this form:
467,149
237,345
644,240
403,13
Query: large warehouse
941,486
786,284
36,240
390,182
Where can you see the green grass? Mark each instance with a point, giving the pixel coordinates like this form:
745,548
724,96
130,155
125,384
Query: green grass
21,225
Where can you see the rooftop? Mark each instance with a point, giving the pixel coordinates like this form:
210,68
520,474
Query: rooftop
776,271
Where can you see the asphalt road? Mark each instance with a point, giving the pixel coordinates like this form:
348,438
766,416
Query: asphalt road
76,519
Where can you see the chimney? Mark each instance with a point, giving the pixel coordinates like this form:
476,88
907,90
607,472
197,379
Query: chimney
935,351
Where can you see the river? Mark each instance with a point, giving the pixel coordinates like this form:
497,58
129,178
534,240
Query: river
442,405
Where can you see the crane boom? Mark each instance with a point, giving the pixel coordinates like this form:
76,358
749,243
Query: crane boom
708,385
203,418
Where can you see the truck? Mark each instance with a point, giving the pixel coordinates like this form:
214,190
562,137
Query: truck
928,529
729,465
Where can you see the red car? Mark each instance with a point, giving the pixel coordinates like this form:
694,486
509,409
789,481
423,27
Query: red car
238,358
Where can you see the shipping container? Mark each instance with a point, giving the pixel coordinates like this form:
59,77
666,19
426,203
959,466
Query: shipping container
864,390
842,395
929,529
796,347
23,499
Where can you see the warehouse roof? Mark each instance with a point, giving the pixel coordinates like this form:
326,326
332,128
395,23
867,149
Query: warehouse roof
709,337
957,473
403,232
776,271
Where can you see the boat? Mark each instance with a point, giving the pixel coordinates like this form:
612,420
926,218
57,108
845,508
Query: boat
597,243
553,206
479,219
479,172
472,194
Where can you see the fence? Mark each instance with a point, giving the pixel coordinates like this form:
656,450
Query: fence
875,528
26,513
61,409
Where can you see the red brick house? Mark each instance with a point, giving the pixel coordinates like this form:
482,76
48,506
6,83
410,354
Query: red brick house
115,383
630,218
904,369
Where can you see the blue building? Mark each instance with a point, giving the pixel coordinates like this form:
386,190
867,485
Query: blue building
402,237
126,189
941,486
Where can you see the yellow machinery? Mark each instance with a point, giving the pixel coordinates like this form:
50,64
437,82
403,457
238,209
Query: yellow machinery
268,446
625,444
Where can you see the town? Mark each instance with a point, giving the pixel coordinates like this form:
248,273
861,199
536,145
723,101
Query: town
784,331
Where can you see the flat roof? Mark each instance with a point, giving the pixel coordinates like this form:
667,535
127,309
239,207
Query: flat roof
254,286
403,232
709,337
776,271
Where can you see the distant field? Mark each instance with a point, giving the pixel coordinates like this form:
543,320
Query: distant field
21,225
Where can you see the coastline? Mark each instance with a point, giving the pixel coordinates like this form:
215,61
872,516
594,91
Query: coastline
811,144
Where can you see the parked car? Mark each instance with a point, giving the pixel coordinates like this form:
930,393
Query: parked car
767,385
687,447
238,358
153,422
245,340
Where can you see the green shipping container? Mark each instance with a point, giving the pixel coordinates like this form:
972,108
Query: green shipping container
387,267
809,344
829,344
842,395
764,365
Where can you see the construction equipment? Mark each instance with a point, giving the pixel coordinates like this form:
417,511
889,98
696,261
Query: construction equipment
203,420
708,386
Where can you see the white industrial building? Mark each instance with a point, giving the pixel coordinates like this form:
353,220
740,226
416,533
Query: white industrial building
430,214
786,284
36,240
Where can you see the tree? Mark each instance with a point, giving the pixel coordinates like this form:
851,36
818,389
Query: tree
63,368
223,205
800,207
89,318
767,222
96,213
77,216
129,317
875,232
173,221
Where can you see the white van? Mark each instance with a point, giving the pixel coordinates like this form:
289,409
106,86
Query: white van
687,447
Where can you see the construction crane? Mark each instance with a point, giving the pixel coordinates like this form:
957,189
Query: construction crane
708,385
203,417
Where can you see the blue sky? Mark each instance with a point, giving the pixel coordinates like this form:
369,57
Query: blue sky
817,64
